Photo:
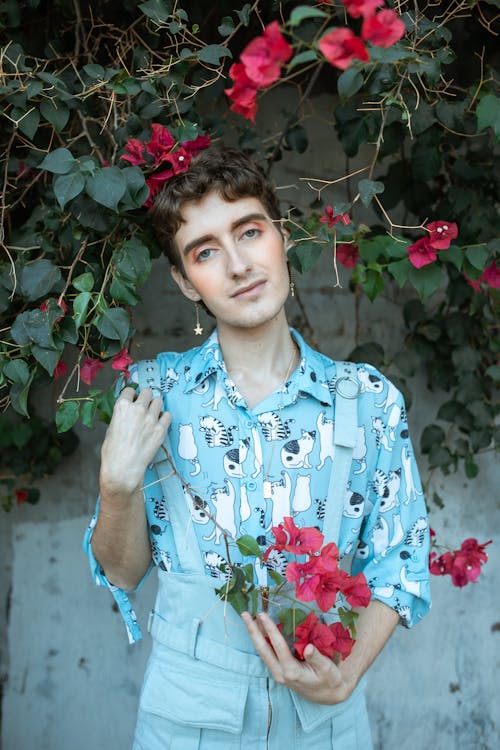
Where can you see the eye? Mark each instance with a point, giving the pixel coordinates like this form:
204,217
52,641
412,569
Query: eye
204,254
251,233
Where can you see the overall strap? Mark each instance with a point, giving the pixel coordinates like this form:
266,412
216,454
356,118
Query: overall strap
347,389
177,501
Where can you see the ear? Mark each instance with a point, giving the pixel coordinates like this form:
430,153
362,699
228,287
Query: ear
184,285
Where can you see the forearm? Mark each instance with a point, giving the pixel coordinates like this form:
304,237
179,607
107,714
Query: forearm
120,540
374,626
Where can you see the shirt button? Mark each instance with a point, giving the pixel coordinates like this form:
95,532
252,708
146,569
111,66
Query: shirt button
251,486
249,424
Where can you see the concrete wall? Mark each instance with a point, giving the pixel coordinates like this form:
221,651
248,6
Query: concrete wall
72,681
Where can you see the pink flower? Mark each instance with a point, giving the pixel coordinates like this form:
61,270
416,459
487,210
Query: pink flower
293,539
491,275
331,218
463,565
421,253
60,369
134,149
89,369
441,233
311,630
264,56
243,93
365,8
21,496
384,29
161,143
121,361
347,254
356,591
343,642
341,46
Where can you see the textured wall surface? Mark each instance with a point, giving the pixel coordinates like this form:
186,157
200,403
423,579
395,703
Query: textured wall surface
72,681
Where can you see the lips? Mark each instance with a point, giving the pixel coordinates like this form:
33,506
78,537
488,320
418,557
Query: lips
249,288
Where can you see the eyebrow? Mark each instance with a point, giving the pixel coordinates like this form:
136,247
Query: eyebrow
208,237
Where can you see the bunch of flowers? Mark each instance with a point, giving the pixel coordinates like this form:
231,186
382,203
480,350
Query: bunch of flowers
463,565
424,250
162,156
317,577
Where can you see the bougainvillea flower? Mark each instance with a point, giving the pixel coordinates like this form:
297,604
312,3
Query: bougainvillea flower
60,369
264,56
331,218
421,253
134,152
293,539
343,642
200,143
356,590
161,143
121,361
327,585
441,233
89,369
384,29
491,275
311,630
243,93
341,46
463,565
362,8
347,254
21,496
306,583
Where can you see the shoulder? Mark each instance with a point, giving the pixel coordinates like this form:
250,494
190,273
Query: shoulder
170,367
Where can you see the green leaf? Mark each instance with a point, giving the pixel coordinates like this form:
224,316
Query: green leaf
477,257
29,123
244,14
114,324
303,57
132,262
426,280
371,352
400,271
248,546
32,326
18,371
303,12
80,305
212,53
431,436
123,292
349,82
471,468
84,282
493,372
290,618
38,278
94,71
55,112
19,397
373,284
226,26
276,577
87,413
48,358
157,10
452,254
107,187
304,255
369,188
105,405
60,161
68,186
66,415
296,138
488,114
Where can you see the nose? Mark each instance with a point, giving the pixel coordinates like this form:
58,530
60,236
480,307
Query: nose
238,261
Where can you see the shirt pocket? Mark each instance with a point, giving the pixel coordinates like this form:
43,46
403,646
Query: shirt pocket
193,693
343,716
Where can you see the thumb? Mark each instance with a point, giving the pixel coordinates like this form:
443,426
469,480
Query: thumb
312,656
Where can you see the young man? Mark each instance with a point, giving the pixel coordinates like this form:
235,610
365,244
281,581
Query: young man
247,424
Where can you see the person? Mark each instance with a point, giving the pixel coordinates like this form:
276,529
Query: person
242,428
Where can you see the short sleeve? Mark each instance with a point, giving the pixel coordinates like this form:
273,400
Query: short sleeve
394,549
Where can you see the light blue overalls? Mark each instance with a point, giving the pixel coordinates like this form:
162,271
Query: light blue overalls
205,687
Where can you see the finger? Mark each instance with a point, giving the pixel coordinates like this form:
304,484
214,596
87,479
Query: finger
165,419
128,394
319,662
262,647
278,643
155,407
145,397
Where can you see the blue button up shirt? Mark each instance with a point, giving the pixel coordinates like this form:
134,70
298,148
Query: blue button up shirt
248,468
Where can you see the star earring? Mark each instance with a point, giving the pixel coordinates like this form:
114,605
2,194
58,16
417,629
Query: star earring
198,330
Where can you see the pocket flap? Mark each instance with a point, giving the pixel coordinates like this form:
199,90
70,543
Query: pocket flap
193,693
311,715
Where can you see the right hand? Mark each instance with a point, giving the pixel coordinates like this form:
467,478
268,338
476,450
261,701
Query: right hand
135,433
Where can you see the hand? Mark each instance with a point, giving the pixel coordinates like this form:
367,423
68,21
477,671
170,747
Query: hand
317,678
136,431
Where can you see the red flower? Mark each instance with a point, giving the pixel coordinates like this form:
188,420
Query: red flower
291,538
60,369
264,56
21,496
463,565
328,583
61,303
356,591
441,233
243,93
89,369
161,144
306,582
421,253
491,275
311,630
347,254
200,143
343,642
384,29
365,8
331,218
341,46
134,152
121,361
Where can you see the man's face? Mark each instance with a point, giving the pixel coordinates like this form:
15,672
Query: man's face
234,260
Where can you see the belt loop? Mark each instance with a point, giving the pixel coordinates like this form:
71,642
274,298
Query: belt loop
193,637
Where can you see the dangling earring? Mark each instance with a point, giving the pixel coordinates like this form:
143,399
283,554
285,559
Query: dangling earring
292,281
198,330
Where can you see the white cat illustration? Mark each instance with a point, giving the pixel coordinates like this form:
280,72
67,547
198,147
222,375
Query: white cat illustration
359,453
187,448
302,495
295,453
234,459
325,429
411,489
223,500
280,498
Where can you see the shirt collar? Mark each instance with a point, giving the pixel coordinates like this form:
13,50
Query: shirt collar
310,377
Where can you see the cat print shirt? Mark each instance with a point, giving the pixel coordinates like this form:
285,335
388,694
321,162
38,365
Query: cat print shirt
251,467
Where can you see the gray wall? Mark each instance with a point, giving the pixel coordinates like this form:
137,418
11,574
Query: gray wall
72,681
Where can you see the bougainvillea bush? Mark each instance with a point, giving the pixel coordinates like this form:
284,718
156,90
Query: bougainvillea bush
102,102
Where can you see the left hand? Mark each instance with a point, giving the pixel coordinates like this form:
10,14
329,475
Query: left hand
317,678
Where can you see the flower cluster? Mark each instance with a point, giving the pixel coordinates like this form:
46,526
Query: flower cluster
463,565
162,156
490,277
260,67
424,250
91,367
318,579
382,29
